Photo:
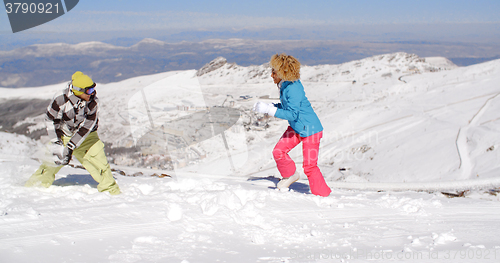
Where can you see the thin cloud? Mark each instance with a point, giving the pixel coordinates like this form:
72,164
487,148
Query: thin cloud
126,20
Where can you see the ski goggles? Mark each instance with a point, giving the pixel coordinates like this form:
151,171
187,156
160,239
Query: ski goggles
88,90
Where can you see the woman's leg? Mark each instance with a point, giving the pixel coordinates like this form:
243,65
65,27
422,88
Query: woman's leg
310,150
285,164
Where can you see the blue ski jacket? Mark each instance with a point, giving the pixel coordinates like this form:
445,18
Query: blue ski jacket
297,110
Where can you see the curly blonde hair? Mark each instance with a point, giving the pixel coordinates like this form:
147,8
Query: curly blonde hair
287,67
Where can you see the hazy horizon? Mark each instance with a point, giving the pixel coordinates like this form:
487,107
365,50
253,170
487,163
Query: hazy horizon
316,31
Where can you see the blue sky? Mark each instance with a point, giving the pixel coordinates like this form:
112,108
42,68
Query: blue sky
345,11
103,15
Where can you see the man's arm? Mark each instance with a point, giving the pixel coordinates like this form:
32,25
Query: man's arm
53,118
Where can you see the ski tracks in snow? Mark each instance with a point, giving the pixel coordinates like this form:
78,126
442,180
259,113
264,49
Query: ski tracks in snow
466,163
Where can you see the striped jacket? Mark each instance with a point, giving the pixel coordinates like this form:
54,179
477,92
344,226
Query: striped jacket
72,117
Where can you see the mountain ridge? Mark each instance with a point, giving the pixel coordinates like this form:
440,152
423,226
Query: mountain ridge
45,64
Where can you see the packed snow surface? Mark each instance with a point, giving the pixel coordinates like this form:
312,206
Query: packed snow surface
398,130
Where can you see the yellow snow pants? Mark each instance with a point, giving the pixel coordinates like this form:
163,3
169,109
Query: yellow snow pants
91,155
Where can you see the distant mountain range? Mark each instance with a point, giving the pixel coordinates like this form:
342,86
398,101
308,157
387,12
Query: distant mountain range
45,64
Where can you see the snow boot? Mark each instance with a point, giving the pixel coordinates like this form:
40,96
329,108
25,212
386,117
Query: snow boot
286,182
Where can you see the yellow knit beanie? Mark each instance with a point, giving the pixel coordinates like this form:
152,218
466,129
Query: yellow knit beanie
80,81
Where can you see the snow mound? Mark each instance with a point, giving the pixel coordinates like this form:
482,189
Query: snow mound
17,146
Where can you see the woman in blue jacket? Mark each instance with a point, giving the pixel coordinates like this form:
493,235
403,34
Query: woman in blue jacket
305,125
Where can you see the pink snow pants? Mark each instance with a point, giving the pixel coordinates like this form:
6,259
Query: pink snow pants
310,150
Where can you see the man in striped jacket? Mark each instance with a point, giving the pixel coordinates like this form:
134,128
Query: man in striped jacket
74,122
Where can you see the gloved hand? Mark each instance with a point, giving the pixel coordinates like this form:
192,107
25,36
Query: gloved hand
66,157
262,107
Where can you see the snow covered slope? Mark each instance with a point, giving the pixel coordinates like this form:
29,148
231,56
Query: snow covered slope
390,118
394,121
